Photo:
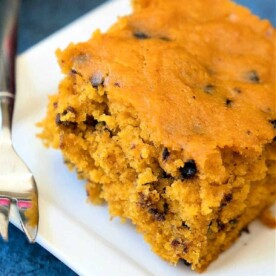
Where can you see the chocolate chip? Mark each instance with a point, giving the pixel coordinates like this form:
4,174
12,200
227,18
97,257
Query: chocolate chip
274,139
141,35
70,109
69,124
185,225
156,214
273,122
150,206
186,262
107,111
209,88
233,221
160,217
189,170
164,38
228,102
75,72
117,84
185,248
65,123
90,121
97,80
153,211
228,197
55,105
175,243
165,154
165,175
165,208
253,76
221,225
58,121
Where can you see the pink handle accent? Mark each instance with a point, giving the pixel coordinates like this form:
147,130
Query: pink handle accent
4,201
24,204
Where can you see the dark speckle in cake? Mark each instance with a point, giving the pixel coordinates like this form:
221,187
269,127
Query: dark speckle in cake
228,102
220,225
226,200
189,170
75,72
175,243
237,90
209,88
165,38
228,197
165,154
273,122
252,76
60,122
184,224
141,35
71,109
185,248
165,174
158,216
233,221
165,208
90,121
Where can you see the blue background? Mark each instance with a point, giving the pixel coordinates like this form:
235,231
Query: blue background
38,19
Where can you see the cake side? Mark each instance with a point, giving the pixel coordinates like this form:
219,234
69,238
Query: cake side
159,189
172,122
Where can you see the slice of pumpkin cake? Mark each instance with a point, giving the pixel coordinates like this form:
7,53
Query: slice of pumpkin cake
170,116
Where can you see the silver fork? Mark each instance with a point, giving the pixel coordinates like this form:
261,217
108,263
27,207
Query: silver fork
17,184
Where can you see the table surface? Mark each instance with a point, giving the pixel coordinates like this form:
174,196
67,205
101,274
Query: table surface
38,19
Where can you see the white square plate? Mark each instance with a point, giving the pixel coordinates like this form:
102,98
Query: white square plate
82,235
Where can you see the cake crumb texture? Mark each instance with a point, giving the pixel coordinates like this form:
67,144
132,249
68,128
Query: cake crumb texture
170,117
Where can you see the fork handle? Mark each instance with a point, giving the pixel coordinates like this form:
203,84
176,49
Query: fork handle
8,41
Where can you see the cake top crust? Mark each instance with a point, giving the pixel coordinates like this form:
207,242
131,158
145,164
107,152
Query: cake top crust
200,74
